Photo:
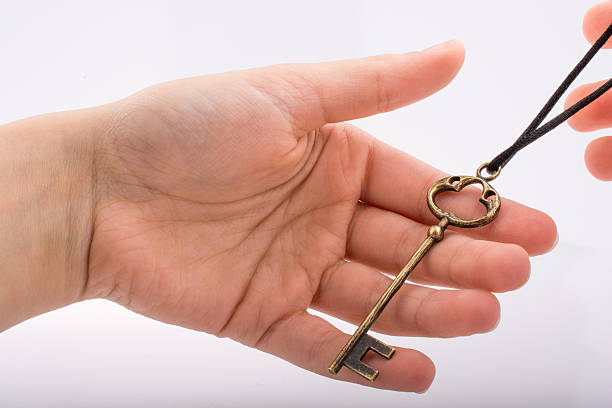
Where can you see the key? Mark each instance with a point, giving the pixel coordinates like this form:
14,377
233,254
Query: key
360,343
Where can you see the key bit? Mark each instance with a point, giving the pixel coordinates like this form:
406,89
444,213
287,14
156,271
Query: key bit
363,345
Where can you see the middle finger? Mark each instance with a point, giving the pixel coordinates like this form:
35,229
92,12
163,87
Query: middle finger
386,240
597,115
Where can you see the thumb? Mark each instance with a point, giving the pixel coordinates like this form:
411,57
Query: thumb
315,94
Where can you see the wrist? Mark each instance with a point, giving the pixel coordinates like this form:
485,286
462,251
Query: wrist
48,192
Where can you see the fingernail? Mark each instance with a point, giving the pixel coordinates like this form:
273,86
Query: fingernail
439,46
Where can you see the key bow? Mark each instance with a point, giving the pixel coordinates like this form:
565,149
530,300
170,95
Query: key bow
489,198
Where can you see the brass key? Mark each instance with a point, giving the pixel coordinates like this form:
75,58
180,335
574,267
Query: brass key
360,343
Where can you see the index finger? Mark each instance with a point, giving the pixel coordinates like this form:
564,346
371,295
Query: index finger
398,182
596,21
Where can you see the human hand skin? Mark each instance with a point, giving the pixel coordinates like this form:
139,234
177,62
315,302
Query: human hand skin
598,115
230,203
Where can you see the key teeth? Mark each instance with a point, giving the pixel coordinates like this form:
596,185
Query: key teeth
367,342
362,369
380,348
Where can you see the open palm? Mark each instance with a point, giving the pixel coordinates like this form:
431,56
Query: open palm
231,203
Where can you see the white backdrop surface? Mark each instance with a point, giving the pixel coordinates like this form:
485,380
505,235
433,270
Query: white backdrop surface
552,347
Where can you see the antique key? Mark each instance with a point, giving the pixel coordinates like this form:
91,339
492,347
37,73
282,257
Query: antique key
360,343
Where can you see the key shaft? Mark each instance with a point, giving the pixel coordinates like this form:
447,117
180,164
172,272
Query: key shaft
435,234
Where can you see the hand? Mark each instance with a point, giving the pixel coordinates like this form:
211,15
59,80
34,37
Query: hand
598,115
230,203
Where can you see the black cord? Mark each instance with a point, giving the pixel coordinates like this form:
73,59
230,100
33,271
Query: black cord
533,132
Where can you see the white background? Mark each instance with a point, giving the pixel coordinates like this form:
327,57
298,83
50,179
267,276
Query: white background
552,347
